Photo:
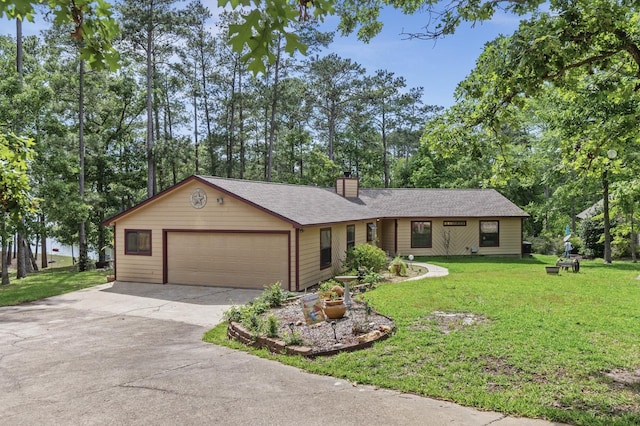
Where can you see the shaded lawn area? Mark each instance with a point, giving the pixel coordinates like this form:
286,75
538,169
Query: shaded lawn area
543,350
48,282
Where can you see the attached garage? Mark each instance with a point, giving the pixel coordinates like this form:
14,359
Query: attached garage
227,259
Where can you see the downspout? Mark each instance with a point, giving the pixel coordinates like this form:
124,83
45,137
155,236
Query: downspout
297,249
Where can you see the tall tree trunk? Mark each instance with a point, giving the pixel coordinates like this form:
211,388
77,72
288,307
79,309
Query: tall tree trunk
31,265
19,46
634,238
83,261
151,169
195,125
241,125
207,115
272,119
231,121
9,251
607,222
21,264
44,262
6,254
332,129
385,160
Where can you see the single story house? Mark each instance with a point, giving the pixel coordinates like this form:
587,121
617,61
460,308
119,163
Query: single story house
237,233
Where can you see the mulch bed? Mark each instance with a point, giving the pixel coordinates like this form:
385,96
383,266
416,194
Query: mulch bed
356,330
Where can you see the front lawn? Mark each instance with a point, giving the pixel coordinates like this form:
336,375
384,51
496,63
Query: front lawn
565,348
47,283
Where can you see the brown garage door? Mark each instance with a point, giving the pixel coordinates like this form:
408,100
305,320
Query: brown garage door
227,259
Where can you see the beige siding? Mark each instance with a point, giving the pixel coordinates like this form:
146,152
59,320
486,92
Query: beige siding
461,238
347,187
387,233
174,211
309,261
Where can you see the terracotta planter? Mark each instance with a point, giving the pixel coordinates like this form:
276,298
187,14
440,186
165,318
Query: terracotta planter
334,309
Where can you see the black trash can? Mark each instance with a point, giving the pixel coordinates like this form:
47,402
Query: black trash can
526,248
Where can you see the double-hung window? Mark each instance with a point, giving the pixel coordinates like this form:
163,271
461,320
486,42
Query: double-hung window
489,233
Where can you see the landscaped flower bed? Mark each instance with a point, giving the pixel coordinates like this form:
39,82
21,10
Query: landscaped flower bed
357,330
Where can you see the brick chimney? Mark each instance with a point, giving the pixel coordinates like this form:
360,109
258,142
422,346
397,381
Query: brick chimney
347,186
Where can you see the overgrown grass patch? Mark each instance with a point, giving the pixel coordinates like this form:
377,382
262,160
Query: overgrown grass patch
47,283
543,349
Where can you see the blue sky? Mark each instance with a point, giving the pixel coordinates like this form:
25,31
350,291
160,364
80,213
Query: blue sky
437,66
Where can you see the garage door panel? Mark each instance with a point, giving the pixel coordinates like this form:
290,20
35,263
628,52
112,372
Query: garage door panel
227,259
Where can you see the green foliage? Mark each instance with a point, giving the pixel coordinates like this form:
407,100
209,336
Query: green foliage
371,277
15,155
251,314
271,329
273,295
591,232
398,267
292,339
546,243
366,256
256,36
233,314
93,25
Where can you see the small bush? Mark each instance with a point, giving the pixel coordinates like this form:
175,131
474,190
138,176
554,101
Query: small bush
546,244
292,339
274,295
368,277
366,256
233,314
272,326
398,267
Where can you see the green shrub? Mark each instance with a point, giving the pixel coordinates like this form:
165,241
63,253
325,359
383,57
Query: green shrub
398,267
366,256
546,244
292,339
233,314
272,326
368,277
274,295
591,232
326,286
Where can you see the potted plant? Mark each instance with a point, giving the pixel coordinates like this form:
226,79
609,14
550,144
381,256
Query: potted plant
334,307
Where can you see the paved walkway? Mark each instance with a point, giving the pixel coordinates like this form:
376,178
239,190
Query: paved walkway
131,353
432,271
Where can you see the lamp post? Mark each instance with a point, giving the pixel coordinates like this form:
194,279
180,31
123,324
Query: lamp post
611,154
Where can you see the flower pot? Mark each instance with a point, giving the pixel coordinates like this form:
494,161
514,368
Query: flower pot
334,309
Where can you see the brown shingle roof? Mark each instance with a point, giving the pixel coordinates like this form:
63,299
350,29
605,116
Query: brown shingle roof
303,205
308,205
422,202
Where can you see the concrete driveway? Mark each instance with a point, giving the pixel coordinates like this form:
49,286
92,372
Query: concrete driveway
131,354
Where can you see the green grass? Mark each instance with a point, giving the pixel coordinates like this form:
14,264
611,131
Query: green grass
59,278
543,351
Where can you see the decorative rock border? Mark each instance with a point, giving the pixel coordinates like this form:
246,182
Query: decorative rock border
238,332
